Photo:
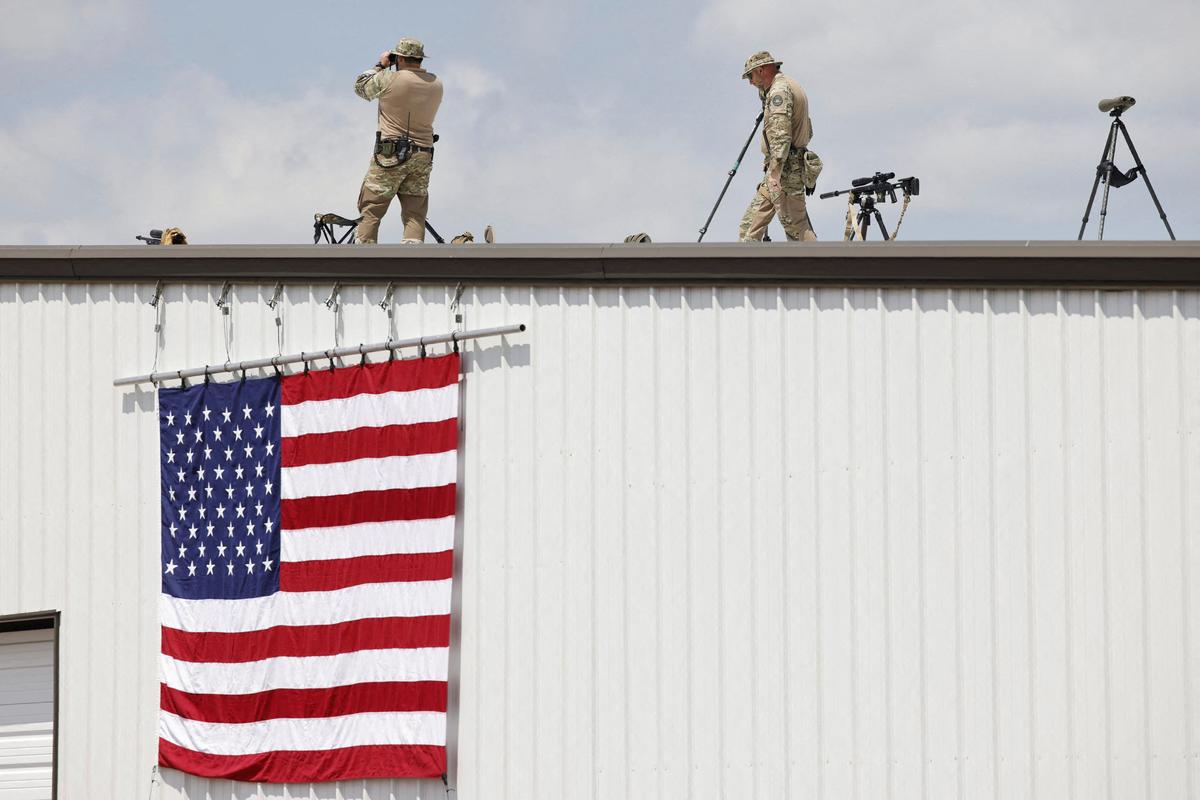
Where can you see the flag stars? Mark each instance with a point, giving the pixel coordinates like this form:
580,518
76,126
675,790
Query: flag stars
241,549
241,511
210,529
199,434
183,512
257,548
187,418
179,438
268,486
249,567
249,451
230,567
170,419
172,530
258,431
230,529
217,434
171,492
192,531
267,562
181,475
191,493
220,511
270,409
210,567
190,456
192,569
171,567
258,507
269,525
258,470
237,434
249,528
229,491
239,472
207,452
249,490
219,473
206,413
170,456
208,490
200,473
203,511
270,448
182,550
227,415
229,454
201,551
221,549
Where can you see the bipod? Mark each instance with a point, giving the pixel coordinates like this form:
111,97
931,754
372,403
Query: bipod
1113,177
436,236
729,179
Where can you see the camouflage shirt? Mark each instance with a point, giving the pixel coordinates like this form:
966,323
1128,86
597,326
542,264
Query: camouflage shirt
785,118
408,101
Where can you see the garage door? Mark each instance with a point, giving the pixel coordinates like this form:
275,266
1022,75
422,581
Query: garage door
26,714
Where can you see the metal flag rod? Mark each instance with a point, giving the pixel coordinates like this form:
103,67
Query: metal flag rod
339,352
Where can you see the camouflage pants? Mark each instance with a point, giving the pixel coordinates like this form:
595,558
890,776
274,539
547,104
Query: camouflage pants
788,204
410,180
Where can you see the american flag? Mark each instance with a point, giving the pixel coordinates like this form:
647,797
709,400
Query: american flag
307,553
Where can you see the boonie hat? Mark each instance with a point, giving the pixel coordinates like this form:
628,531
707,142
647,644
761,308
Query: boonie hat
409,48
759,59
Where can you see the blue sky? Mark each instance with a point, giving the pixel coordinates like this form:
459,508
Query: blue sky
584,122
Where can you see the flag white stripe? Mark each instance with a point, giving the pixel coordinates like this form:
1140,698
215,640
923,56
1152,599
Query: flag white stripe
318,733
369,411
306,672
368,539
369,475
403,599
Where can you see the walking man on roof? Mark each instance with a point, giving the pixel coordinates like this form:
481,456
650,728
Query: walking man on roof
408,101
787,131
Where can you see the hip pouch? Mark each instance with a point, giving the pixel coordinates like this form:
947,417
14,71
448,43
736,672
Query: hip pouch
398,149
810,170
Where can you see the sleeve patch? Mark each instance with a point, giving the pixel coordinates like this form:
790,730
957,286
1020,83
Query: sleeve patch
777,100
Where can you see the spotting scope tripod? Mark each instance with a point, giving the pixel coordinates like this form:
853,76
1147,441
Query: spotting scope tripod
729,180
1107,171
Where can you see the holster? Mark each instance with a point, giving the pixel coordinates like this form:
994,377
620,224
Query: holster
399,149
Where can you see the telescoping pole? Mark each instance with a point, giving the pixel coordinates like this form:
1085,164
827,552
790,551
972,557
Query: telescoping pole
729,180
339,352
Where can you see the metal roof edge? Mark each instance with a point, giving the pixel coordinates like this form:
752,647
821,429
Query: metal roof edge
1029,263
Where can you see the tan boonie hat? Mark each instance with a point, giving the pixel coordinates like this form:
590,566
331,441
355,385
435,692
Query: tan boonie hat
409,48
759,59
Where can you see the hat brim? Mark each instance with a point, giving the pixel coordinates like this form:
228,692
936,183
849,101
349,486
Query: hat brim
746,74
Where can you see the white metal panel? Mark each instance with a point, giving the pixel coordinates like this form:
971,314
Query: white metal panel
26,715
716,542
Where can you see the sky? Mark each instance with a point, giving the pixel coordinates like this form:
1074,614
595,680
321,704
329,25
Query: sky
573,121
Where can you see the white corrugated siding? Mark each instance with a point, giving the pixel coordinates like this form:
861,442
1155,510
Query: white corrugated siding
732,542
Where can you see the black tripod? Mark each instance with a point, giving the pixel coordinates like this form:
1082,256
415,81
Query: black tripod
1108,172
866,210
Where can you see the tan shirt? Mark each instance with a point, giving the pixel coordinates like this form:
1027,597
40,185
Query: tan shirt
403,95
785,118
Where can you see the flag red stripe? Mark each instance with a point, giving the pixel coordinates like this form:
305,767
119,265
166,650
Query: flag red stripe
324,576
377,761
391,440
337,701
432,502
397,376
309,640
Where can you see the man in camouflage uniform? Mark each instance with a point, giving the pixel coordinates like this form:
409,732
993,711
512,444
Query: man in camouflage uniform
786,134
409,98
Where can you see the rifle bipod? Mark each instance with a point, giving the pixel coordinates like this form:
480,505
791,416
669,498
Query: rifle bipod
323,228
729,179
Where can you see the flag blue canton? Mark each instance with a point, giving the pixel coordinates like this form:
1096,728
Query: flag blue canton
220,489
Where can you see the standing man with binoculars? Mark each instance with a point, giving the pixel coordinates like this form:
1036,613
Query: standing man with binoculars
790,168
409,98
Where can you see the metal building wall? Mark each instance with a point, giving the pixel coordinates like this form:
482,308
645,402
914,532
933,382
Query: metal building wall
716,542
